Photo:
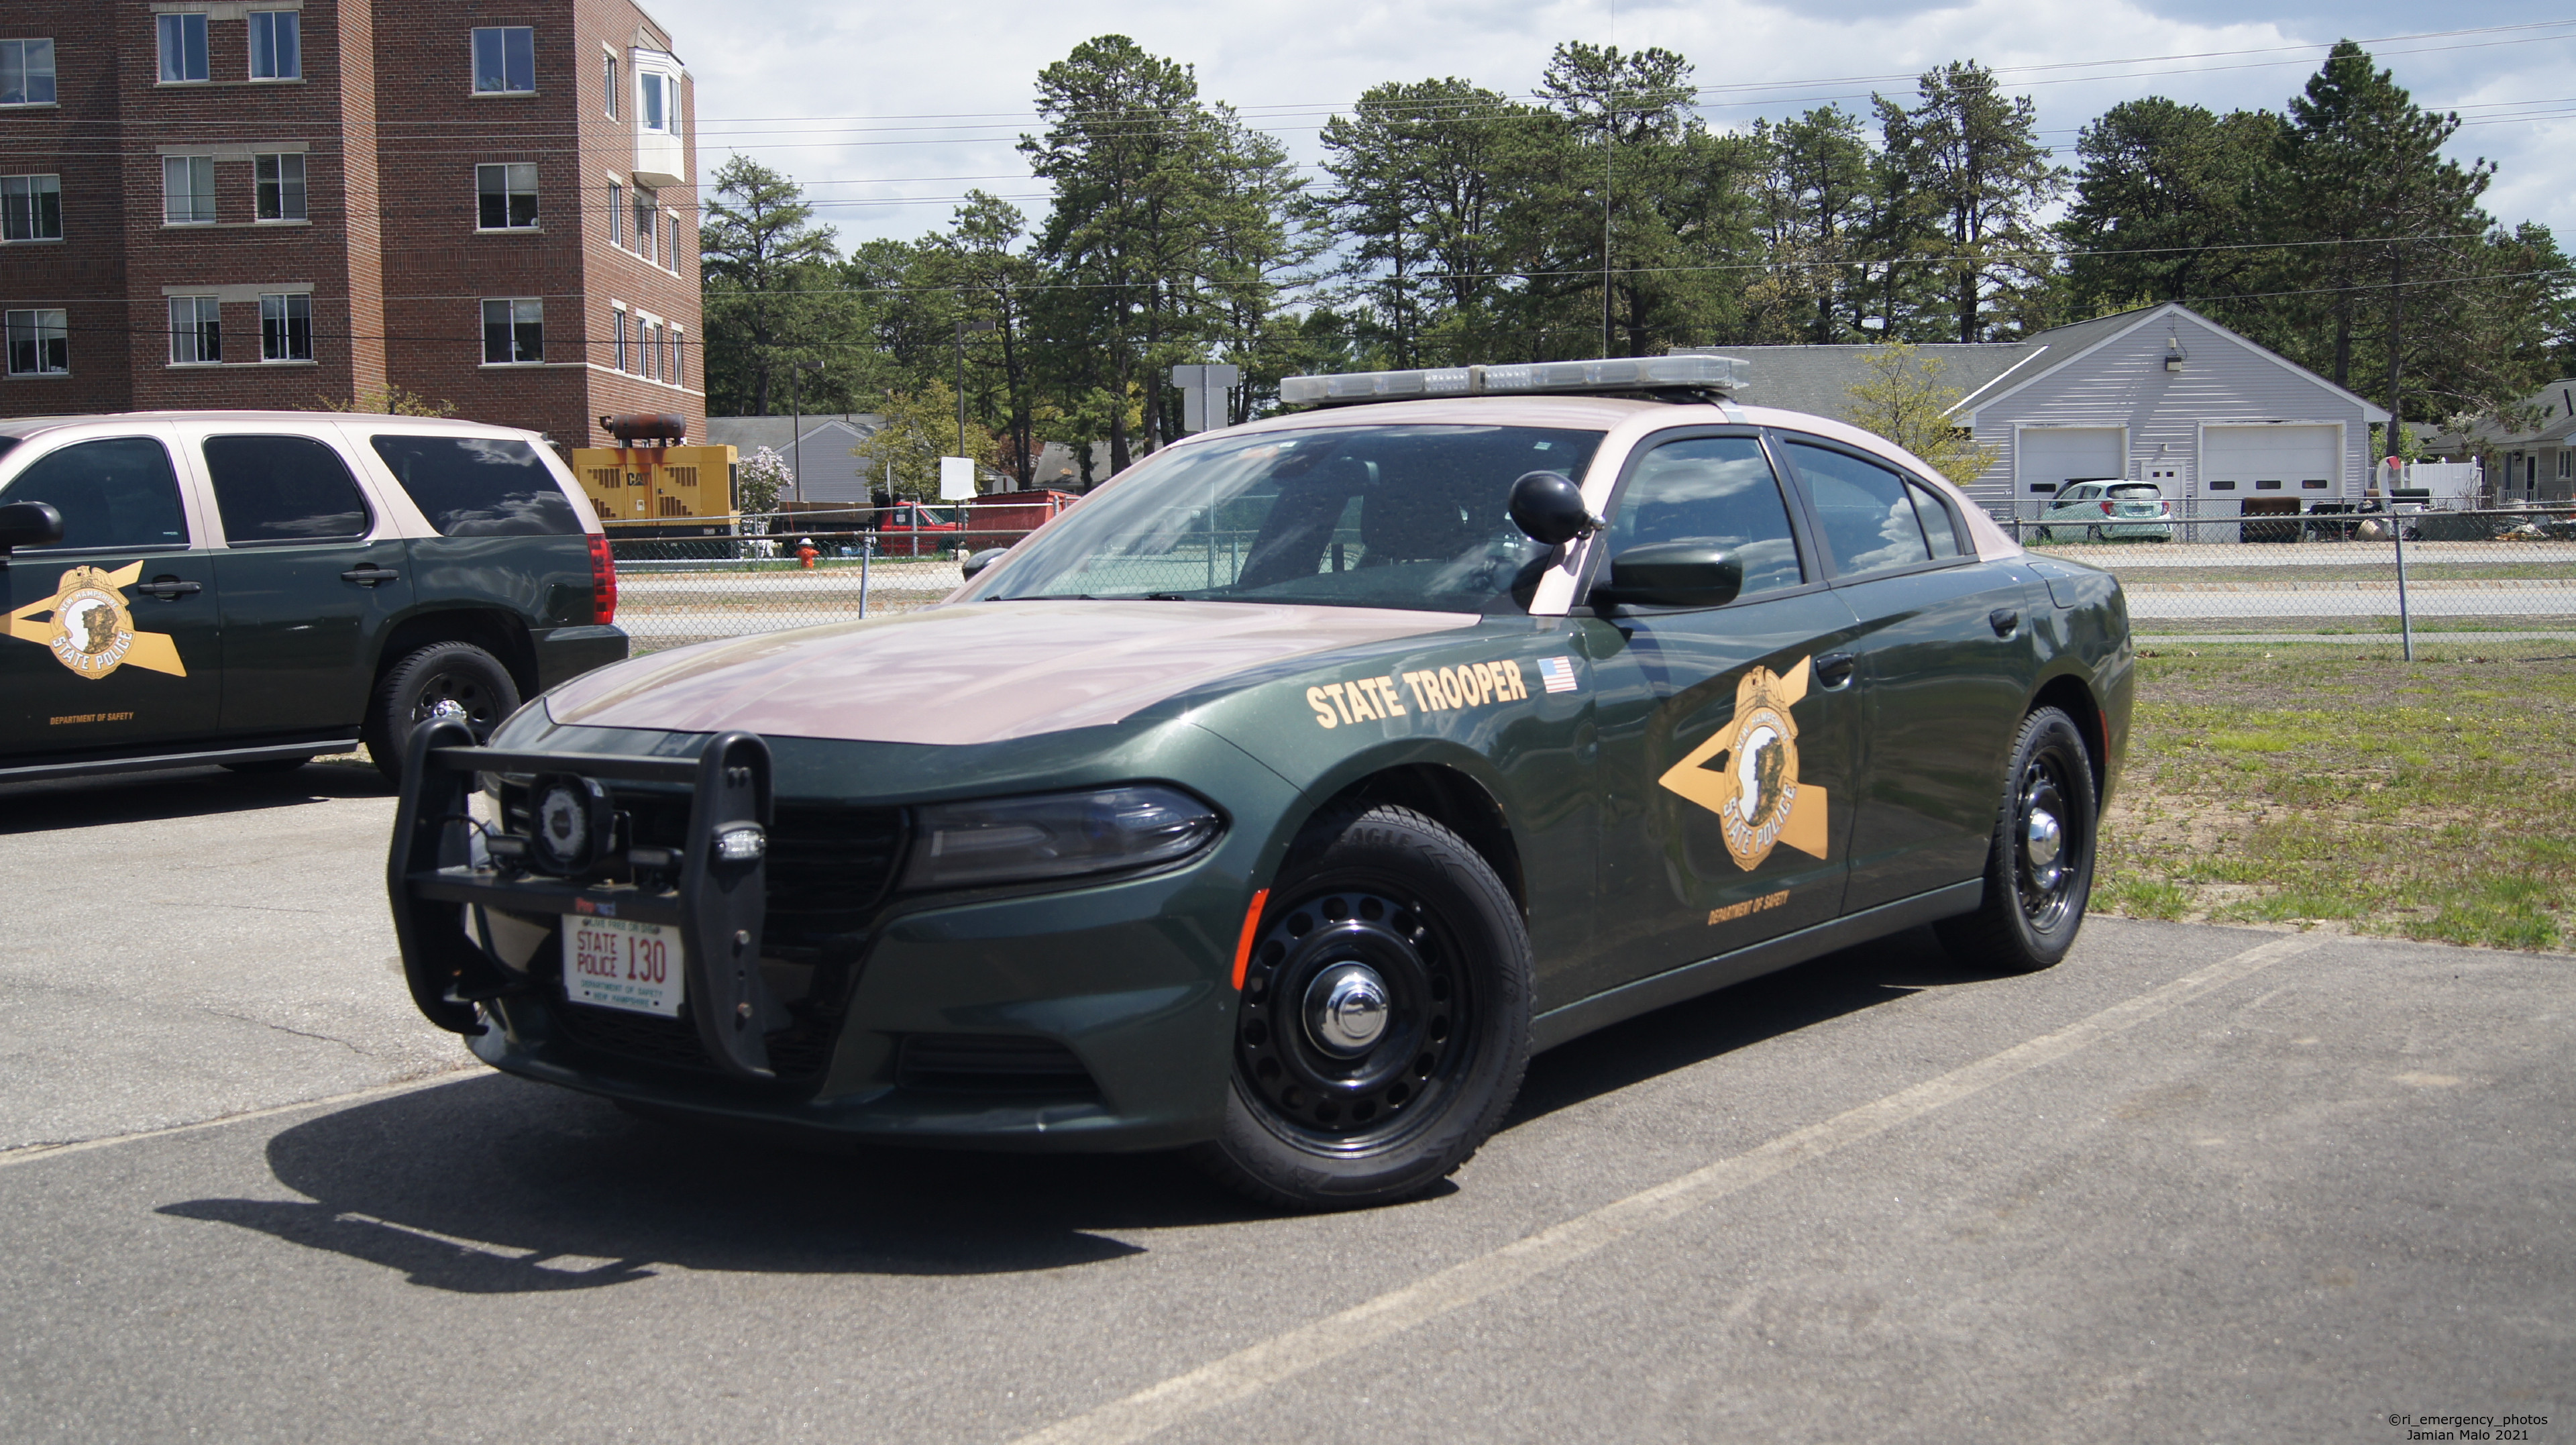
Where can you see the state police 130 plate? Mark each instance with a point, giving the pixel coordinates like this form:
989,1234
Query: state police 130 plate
618,963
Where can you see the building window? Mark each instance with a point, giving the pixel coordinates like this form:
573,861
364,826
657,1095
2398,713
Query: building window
31,208
671,252
188,190
647,332
651,117
36,343
508,196
280,182
621,341
196,331
2566,465
183,48
276,45
27,78
645,207
514,331
505,59
608,82
616,214
672,372
286,328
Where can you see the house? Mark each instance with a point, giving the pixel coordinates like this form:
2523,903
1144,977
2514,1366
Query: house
268,205
2532,462
817,448
2160,394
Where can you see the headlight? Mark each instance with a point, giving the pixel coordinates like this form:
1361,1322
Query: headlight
1057,835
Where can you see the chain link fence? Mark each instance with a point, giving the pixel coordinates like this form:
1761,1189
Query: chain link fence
677,590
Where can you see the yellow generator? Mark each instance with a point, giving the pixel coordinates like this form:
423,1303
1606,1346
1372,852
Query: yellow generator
659,491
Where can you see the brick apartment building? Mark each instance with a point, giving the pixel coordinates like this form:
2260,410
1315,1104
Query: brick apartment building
264,203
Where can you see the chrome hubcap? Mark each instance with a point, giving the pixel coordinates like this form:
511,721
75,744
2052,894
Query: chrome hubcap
2042,840
1346,1009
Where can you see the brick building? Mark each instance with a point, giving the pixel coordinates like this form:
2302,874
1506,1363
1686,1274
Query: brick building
264,203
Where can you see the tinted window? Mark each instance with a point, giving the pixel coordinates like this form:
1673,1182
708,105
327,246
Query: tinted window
115,495
478,486
1717,490
283,489
1937,527
1868,521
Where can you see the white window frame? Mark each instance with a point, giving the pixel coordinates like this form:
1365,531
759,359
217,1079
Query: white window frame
616,214
648,211
648,336
196,332
276,165
677,373
523,310
277,327
474,59
285,61
510,174
19,196
174,30
608,80
39,325
671,243
621,353
652,102
27,73
200,193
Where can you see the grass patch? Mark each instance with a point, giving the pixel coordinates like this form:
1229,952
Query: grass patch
2337,784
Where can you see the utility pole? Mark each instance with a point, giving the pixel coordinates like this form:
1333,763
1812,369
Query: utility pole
1609,137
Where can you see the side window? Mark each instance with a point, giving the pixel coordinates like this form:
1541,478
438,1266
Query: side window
1717,490
283,489
478,487
1868,520
115,495
1938,529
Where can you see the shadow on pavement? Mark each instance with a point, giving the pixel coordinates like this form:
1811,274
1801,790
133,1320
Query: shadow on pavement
41,807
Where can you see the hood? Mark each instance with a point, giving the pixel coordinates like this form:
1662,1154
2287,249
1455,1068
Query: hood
974,672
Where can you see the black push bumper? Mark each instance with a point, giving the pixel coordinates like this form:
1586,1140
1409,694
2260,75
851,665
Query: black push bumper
435,875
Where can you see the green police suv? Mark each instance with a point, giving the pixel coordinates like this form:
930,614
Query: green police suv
1283,796
256,588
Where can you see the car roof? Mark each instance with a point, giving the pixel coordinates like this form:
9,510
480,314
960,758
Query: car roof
28,426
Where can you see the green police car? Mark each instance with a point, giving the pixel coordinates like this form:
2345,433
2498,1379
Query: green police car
1282,797
255,588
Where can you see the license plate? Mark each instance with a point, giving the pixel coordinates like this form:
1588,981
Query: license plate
622,964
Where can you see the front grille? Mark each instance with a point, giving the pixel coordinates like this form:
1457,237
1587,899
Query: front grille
646,1038
991,1064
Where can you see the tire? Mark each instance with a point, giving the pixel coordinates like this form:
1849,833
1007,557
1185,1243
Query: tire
441,677
2035,894
1349,1109
265,767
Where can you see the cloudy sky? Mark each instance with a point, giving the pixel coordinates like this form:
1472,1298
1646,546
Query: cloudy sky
889,113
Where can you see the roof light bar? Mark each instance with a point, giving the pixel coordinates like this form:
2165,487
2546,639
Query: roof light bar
1621,373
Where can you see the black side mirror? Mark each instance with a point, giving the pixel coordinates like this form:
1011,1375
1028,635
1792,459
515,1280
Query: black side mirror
977,561
1549,507
1672,574
29,524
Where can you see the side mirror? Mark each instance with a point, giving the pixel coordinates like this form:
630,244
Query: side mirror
977,561
29,524
1549,507
1673,574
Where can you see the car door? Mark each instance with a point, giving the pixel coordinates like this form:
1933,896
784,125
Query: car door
1727,734
2066,513
113,639
311,575
1946,666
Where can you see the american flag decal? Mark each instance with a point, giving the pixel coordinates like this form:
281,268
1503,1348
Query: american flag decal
1557,673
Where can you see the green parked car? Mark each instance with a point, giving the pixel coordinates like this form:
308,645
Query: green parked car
256,588
1281,798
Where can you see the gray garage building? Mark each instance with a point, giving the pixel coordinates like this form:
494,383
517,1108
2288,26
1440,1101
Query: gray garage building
2161,394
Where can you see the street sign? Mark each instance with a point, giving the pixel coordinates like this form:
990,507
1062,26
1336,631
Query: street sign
1203,390
956,478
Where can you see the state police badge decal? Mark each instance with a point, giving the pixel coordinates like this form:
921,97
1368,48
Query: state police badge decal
1754,788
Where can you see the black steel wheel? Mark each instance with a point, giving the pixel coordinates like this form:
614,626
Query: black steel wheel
1384,1021
2039,865
444,679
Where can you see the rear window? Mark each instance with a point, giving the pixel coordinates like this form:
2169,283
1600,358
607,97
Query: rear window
2137,489
283,489
479,486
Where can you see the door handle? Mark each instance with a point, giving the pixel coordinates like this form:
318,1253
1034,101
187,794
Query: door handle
1834,670
2004,620
170,589
369,575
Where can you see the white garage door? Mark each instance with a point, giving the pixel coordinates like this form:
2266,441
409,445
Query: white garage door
2283,461
2055,455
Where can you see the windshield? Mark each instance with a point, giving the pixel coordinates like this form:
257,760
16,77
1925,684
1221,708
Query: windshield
1359,516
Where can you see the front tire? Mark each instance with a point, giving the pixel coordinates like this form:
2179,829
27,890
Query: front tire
455,679
2039,864
1384,1023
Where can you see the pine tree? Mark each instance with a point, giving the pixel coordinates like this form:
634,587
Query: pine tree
767,287
2163,204
1973,177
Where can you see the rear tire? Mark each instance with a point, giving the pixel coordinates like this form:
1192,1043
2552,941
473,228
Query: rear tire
2039,864
1384,1023
451,678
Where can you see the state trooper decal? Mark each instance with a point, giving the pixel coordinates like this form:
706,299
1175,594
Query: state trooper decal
90,631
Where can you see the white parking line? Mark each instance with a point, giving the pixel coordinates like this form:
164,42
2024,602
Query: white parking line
1283,1357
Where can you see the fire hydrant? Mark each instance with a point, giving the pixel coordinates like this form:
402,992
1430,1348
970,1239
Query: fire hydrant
805,553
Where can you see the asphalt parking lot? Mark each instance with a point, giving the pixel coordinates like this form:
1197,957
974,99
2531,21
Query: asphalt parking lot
2195,1183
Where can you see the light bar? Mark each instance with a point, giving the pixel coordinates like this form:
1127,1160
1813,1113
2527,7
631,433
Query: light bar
1619,373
